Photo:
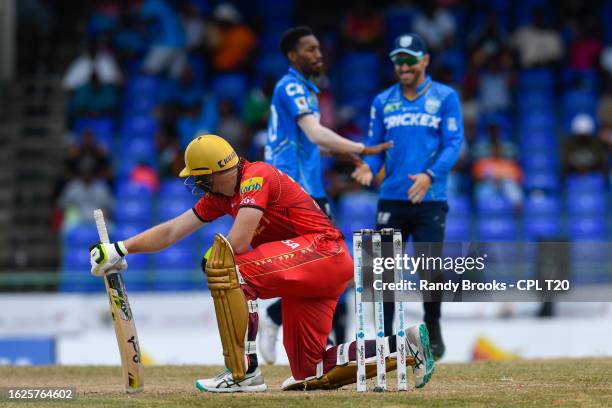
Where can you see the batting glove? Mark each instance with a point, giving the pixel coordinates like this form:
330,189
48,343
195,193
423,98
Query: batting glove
106,257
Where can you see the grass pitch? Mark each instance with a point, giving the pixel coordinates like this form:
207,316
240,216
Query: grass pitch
575,383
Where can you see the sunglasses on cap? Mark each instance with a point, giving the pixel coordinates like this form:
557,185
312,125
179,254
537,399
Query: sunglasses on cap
409,60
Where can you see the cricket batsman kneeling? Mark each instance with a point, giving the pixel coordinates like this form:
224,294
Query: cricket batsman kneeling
280,245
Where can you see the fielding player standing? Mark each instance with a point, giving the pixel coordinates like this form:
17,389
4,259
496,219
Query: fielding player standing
295,137
280,245
423,119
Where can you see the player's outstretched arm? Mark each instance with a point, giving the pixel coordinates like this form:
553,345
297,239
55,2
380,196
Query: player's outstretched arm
165,234
104,257
330,140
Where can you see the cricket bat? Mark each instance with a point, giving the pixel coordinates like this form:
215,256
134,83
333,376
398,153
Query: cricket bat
123,320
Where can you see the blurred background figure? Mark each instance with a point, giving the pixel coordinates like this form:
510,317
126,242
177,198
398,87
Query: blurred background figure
167,52
583,152
96,60
83,194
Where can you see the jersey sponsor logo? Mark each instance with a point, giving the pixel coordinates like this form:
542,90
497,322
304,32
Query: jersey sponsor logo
412,119
247,201
451,124
392,107
252,184
221,163
294,89
432,105
301,104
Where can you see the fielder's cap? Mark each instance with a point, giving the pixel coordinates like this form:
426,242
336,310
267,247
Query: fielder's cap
410,44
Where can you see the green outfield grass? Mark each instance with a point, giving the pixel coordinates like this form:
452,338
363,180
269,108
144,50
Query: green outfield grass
575,383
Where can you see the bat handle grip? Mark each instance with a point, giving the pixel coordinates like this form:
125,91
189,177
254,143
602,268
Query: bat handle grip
101,226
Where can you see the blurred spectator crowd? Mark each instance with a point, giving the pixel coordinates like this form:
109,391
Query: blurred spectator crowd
535,78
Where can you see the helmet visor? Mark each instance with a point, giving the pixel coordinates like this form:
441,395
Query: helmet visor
199,185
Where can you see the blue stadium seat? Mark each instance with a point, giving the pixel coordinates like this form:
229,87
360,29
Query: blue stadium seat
537,142
459,206
535,100
172,206
538,204
361,61
102,127
173,187
536,78
497,229
76,257
129,190
542,227
360,206
586,203
457,229
539,162
582,79
134,126
542,180
272,64
178,280
538,122
587,228
126,229
176,257
397,19
81,235
496,205
588,183
134,211
75,271
143,85
138,149
139,104
230,86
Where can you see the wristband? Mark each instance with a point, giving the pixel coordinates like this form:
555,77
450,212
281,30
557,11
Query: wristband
120,248
430,174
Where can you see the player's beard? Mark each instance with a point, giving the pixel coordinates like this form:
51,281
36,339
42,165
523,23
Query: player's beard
312,71
416,76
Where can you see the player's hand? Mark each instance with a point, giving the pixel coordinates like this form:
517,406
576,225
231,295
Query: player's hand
419,188
371,150
363,175
106,257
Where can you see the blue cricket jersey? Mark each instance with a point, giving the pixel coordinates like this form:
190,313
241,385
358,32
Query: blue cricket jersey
287,146
427,133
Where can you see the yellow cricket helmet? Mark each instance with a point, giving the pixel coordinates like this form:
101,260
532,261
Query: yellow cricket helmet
207,154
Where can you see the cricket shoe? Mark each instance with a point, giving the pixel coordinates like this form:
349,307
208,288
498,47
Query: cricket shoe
417,342
224,382
268,336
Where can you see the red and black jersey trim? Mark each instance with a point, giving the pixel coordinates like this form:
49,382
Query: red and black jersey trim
198,215
253,206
